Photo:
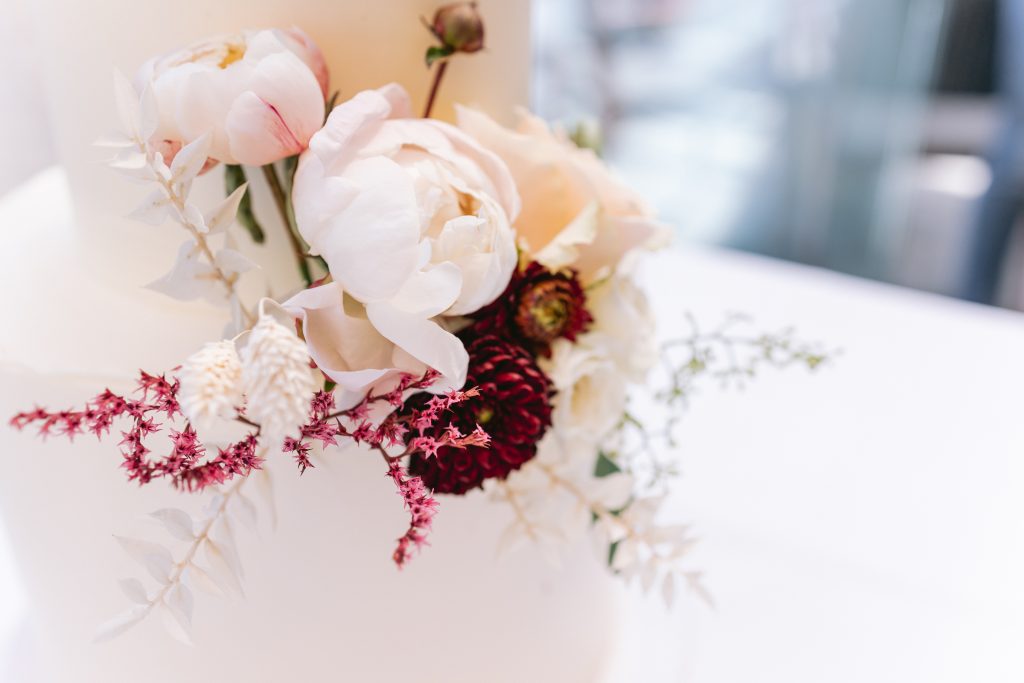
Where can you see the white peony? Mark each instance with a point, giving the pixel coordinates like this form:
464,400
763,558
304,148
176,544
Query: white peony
414,220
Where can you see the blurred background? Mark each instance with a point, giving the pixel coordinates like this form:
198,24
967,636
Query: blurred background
881,138
874,137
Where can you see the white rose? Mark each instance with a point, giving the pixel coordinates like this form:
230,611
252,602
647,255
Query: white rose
413,218
623,325
260,95
591,391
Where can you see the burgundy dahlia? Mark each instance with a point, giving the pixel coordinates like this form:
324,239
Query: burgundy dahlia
513,407
537,307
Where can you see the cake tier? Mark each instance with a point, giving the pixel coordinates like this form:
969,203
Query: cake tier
366,45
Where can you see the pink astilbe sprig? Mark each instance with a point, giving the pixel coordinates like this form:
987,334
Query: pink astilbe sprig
326,425
155,402
187,463
431,429
422,507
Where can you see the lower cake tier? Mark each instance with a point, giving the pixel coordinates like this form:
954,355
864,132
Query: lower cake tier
323,599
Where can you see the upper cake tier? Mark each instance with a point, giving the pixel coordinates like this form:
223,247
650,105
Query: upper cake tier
366,44
97,261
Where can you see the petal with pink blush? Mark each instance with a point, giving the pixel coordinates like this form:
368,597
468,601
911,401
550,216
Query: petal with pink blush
201,90
284,82
257,134
299,42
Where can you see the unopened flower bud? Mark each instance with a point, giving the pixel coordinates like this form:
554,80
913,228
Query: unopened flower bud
459,27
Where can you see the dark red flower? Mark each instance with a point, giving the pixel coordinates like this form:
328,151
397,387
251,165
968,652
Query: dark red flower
513,407
537,307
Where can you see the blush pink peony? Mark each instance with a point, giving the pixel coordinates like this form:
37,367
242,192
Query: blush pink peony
259,94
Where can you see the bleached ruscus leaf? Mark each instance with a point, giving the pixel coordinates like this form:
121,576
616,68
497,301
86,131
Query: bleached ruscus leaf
155,558
178,523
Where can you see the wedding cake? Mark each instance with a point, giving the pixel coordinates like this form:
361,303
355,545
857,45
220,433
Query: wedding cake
322,601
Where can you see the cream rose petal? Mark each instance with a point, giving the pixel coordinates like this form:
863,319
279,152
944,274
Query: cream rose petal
575,211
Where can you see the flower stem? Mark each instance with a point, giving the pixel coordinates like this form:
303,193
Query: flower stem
438,75
281,199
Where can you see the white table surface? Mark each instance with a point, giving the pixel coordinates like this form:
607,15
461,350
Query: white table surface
862,524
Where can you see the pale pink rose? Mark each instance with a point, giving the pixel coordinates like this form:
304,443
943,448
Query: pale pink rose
575,212
259,94
414,220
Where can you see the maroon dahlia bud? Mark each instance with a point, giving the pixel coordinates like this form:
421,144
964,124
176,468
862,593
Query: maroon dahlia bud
513,407
459,27
549,305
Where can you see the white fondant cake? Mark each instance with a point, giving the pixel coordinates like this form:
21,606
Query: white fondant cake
323,600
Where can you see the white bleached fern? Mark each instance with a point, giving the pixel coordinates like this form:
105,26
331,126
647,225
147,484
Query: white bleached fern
210,561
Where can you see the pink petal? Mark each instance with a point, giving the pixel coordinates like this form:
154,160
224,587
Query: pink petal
257,133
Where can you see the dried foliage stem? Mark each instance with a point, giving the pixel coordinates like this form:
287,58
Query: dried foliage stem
596,508
178,202
281,200
529,528
201,537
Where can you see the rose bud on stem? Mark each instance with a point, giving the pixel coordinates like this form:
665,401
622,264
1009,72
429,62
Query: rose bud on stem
459,28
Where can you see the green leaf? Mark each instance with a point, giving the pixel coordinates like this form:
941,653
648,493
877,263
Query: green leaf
436,52
234,177
587,135
605,466
611,553
290,165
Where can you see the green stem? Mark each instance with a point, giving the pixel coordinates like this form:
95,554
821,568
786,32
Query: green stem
281,199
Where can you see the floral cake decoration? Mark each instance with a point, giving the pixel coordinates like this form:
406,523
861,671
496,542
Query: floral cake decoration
471,313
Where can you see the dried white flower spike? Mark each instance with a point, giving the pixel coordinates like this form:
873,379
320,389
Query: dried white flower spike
276,376
211,383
